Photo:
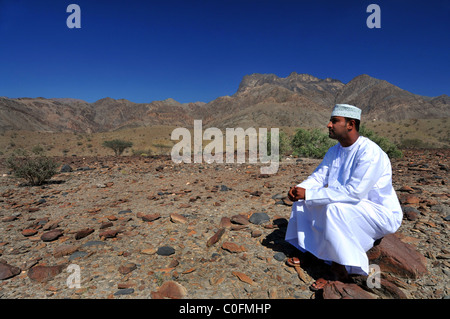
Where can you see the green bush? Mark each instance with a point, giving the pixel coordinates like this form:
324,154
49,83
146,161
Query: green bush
35,170
313,143
283,143
413,143
118,146
387,146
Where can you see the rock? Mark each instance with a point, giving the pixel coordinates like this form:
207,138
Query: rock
398,258
225,222
110,233
65,250
127,268
215,238
243,277
280,256
411,213
29,232
78,254
148,251
83,233
410,199
150,217
170,289
126,291
44,273
232,247
8,271
256,233
51,235
165,251
8,219
339,290
259,218
66,169
239,219
94,243
178,218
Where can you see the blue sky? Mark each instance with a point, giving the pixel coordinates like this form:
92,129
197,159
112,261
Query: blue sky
199,50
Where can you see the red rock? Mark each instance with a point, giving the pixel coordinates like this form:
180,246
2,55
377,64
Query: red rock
410,200
9,219
232,247
44,273
170,289
340,290
127,268
177,218
225,222
51,235
65,250
29,232
83,233
216,237
398,258
240,219
110,233
150,217
8,271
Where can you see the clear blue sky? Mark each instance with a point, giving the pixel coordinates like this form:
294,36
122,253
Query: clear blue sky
199,50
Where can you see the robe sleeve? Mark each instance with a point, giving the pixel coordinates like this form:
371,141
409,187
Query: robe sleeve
367,169
319,178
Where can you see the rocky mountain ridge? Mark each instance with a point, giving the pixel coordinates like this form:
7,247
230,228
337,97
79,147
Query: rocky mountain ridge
261,100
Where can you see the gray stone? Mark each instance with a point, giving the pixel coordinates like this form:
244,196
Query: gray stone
78,254
126,291
165,251
259,218
280,256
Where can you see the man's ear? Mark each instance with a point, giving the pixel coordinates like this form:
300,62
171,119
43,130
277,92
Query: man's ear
351,124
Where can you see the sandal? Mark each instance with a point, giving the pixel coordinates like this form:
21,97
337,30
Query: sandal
319,284
293,262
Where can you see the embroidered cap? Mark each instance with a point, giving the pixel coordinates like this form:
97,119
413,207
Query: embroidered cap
346,110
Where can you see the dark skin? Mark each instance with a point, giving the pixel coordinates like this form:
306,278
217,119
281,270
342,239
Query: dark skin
346,134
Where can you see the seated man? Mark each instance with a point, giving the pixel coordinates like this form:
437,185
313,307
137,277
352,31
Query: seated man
347,203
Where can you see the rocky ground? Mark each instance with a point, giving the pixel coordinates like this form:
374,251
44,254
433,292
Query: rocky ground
148,228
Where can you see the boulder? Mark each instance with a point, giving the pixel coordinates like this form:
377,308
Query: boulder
398,258
340,290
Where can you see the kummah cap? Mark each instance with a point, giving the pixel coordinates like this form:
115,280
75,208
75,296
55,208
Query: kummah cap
346,110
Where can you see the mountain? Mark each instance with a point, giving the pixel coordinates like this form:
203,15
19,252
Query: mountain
261,100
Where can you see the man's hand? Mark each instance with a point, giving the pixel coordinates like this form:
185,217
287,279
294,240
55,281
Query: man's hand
296,193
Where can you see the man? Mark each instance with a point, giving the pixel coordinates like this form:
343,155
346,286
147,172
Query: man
347,203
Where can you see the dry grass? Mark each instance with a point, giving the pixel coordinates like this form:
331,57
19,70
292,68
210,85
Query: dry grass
156,140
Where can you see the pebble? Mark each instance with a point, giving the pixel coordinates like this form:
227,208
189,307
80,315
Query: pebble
51,235
126,291
259,218
165,251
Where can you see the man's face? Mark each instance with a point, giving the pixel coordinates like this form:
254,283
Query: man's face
337,127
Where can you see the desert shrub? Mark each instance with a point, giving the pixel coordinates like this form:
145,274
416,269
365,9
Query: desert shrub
385,144
118,146
144,153
283,143
311,143
35,170
412,143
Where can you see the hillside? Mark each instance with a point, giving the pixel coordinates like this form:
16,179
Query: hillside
262,100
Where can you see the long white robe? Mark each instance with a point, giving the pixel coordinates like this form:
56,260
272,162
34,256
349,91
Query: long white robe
350,202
